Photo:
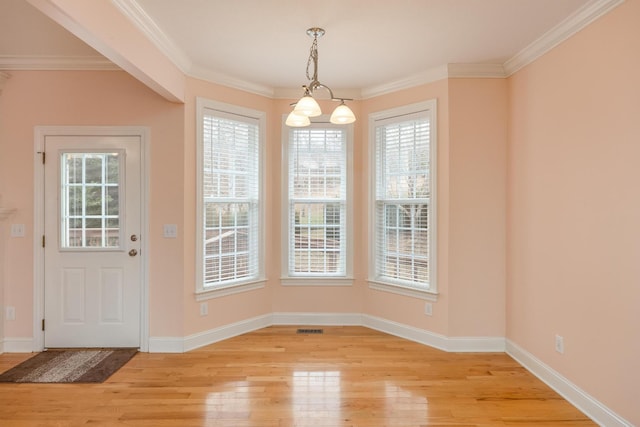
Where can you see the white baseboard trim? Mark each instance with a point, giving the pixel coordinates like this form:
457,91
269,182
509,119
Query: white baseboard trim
166,345
211,336
191,342
441,342
16,345
476,344
318,319
404,331
586,403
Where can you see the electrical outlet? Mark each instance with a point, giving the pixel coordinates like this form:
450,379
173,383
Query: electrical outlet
204,309
17,230
170,231
10,313
428,309
559,344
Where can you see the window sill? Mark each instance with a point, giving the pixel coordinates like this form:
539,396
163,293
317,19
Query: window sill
404,290
316,281
205,294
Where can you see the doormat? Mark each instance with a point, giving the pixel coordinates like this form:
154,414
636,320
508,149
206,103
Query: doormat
69,366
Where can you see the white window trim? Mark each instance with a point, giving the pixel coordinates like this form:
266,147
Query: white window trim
251,283
315,280
376,283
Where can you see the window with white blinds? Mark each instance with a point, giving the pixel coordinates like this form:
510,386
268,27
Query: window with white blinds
317,201
229,187
404,232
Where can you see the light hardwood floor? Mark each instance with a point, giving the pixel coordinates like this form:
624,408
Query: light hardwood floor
348,376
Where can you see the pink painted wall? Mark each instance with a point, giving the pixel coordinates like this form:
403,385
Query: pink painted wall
477,185
551,152
574,209
472,142
245,305
91,98
399,308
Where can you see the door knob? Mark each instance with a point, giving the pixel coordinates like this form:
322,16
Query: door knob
133,252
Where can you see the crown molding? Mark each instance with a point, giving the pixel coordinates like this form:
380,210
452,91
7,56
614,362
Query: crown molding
136,14
429,76
561,32
133,11
571,25
470,71
231,82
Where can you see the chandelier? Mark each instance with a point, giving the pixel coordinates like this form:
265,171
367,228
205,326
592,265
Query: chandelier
307,106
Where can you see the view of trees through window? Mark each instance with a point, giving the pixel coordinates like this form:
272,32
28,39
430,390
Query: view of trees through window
90,201
402,201
230,196
317,201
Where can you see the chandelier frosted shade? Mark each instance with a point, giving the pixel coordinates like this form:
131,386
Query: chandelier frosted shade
307,106
297,120
342,115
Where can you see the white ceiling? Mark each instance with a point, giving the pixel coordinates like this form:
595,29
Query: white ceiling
263,43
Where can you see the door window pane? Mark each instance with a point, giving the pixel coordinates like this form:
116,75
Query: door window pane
90,200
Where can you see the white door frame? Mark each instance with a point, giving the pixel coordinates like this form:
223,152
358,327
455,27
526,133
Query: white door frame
40,132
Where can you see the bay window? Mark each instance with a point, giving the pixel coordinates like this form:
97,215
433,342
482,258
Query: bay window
403,199
229,192
316,187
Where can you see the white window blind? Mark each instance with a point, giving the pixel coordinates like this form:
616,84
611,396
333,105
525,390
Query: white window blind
230,191
403,200
317,188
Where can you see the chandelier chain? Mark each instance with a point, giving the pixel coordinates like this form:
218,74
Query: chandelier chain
313,58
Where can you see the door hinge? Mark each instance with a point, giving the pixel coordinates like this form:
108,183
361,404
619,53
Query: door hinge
44,156
43,240
43,324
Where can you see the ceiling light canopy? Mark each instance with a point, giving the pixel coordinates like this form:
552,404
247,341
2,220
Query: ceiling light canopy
307,106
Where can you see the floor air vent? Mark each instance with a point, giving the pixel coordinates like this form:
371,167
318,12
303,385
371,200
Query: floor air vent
310,331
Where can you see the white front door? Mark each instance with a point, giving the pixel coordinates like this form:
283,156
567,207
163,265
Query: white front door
92,260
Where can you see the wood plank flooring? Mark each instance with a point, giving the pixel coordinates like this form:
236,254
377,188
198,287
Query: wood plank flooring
347,376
